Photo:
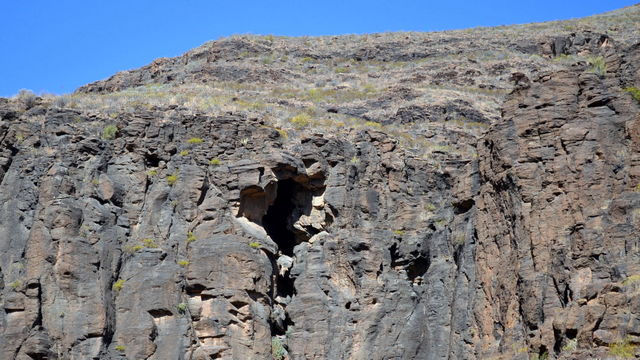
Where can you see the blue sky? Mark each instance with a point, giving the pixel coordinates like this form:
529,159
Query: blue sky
57,46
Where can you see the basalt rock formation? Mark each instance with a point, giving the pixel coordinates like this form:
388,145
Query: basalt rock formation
469,194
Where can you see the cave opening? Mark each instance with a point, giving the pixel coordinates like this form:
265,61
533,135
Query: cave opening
280,216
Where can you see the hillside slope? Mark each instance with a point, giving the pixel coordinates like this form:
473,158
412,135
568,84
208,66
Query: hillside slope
469,194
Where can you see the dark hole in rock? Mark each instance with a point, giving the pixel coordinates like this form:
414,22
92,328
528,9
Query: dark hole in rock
151,160
571,333
157,313
280,216
463,206
418,267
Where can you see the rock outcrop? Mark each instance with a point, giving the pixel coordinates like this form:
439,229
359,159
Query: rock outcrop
393,196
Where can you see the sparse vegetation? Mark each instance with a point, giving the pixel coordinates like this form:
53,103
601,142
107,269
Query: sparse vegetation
255,245
398,232
598,65
215,162
182,308
195,140
152,172
301,120
133,249
278,352
109,132
172,179
120,348
430,207
15,284
623,349
149,243
191,237
184,263
571,345
118,285
27,97
635,93
630,280
184,152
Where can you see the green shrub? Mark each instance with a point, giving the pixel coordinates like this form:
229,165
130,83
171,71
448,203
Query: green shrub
373,124
190,237
398,232
109,132
182,308
172,179
184,152
152,172
300,120
278,351
254,245
430,207
15,284
183,263
195,140
341,70
118,285
623,349
120,348
215,162
635,93
598,65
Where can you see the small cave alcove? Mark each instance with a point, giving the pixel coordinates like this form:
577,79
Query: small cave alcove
280,216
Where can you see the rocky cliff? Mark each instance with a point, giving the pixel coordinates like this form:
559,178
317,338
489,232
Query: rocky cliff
468,194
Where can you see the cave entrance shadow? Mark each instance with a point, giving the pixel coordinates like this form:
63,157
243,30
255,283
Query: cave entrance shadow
291,202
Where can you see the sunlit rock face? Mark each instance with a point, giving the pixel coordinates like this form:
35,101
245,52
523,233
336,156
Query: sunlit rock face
459,195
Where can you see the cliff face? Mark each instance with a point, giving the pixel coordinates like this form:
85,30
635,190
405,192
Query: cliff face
458,195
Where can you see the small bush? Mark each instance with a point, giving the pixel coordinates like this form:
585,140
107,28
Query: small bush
301,120
635,93
190,237
195,140
398,232
598,65
183,263
172,179
27,97
184,152
15,284
623,349
278,352
152,172
341,70
149,243
430,207
254,245
182,308
120,348
118,285
373,124
109,132
215,162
